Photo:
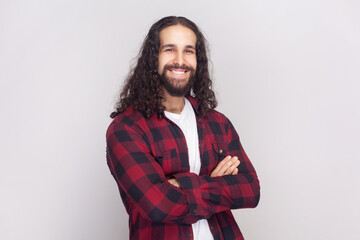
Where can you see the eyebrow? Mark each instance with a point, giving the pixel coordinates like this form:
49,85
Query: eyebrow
173,45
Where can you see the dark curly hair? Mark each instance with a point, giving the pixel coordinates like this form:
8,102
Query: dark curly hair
143,89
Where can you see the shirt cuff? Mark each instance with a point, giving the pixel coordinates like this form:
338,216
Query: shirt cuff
190,183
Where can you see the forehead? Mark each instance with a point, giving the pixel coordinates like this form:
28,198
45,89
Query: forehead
178,35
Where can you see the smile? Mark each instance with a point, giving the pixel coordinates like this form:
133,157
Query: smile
178,72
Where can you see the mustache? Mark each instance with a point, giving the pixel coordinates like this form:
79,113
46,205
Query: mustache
169,66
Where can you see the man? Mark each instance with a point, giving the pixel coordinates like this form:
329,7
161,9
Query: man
178,163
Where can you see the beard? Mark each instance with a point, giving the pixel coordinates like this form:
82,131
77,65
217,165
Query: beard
170,84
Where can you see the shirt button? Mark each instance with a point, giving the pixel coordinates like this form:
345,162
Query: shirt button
220,151
200,120
200,144
190,234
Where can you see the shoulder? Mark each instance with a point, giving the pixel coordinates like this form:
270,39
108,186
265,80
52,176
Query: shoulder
129,119
216,116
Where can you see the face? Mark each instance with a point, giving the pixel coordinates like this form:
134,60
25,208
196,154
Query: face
177,59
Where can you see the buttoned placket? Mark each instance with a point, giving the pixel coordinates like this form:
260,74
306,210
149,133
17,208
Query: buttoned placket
184,143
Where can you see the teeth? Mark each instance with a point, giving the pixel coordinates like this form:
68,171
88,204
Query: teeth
177,72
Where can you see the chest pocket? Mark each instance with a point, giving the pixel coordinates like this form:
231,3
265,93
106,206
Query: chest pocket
170,162
217,151
220,151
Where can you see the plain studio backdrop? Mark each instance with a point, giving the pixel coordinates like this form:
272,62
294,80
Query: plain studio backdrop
286,73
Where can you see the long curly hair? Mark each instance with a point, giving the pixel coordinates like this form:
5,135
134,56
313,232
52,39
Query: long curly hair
143,89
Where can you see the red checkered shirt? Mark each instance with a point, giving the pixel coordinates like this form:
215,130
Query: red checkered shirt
143,154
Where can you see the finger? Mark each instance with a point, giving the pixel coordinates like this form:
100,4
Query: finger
234,165
174,182
215,172
236,170
223,170
229,170
222,162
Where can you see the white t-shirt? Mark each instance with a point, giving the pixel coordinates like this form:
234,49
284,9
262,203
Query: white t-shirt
186,121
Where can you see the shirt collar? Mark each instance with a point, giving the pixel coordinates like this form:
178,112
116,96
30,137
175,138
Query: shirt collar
194,103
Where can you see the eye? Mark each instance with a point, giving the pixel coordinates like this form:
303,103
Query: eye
169,50
190,51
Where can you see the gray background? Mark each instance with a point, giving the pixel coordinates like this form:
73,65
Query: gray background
286,74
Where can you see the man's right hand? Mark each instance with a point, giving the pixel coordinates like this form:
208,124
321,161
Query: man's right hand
227,166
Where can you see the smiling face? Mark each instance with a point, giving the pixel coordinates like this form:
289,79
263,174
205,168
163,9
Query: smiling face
177,59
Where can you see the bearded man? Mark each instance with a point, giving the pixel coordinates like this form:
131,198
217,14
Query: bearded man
178,163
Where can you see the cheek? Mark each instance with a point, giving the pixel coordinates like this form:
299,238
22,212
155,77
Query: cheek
160,67
192,61
161,63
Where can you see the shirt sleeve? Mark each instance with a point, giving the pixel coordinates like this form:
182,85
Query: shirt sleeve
209,195
141,177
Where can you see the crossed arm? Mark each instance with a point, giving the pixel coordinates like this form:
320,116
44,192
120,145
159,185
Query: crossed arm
232,184
227,166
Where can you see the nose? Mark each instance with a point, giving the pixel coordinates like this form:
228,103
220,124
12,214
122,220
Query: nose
179,59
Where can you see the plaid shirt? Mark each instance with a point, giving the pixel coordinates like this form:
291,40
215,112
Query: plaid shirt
143,154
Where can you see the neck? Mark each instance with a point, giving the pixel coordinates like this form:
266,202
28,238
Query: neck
173,104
